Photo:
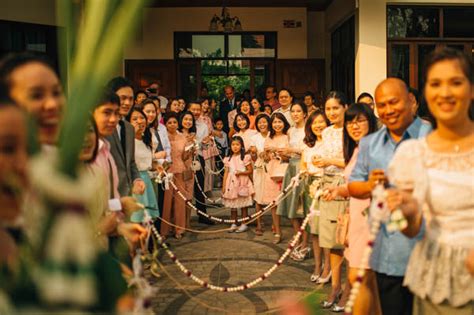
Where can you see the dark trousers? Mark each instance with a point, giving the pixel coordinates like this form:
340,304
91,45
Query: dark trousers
160,197
200,200
395,299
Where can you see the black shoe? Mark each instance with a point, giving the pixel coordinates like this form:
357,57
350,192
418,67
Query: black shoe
205,220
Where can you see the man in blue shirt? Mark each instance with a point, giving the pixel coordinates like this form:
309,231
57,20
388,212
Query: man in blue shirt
391,249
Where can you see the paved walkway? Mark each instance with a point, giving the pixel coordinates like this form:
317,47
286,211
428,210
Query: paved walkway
229,259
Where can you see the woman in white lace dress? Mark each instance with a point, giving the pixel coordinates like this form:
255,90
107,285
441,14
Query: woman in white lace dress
434,177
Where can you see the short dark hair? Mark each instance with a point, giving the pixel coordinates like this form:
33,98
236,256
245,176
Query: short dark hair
310,138
289,92
119,82
364,94
108,97
170,115
218,119
268,106
262,116
281,117
309,93
270,86
12,61
352,112
140,92
193,102
180,121
243,116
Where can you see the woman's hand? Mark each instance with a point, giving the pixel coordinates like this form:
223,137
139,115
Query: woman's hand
108,223
330,193
403,200
132,232
129,205
470,262
319,161
160,155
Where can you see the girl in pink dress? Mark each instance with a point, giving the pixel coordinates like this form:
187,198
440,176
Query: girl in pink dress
359,121
238,189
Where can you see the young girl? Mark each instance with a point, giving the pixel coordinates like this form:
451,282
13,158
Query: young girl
143,158
246,109
242,127
238,189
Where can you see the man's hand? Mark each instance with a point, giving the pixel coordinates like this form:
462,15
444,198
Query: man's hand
138,187
108,223
377,176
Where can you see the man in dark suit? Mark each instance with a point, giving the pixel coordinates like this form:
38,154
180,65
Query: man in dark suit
227,105
122,141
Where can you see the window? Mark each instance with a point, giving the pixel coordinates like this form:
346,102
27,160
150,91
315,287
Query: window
415,31
244,60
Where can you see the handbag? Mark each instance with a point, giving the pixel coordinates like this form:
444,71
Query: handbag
196,165
342,228
277,173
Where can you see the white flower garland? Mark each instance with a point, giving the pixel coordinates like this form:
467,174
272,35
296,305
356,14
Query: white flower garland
238,288
379,213
295,181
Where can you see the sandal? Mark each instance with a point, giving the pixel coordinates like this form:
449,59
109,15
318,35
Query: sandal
277,239
301,254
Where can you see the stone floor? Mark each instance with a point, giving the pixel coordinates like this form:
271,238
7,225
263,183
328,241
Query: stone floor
228,259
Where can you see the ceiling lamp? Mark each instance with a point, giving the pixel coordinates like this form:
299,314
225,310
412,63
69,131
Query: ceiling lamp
225,21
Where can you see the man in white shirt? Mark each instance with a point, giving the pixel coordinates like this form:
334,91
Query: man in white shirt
285,98
154,90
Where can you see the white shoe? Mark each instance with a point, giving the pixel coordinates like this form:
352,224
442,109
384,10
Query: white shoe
242,228
233,228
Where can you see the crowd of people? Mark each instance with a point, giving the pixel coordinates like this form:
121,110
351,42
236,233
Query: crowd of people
138,140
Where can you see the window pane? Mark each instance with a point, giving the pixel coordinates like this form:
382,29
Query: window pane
412,22
239,66
400,62
459,22
251,45
205,46
215,84
423,52
187,74
214,67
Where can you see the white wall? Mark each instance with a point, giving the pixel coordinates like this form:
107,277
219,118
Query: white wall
316,34
156,38
371,40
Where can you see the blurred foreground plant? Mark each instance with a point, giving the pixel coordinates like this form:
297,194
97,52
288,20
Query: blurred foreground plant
91,48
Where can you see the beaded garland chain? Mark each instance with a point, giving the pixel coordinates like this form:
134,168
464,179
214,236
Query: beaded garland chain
293,183
238,288
379,213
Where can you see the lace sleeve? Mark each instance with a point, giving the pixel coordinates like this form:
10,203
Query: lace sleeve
407,170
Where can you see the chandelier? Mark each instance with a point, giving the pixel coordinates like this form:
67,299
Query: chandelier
228,23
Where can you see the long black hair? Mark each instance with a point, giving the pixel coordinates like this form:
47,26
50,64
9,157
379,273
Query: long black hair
310,138
242,147
96,144
281,117
147,133
180,126
353,112
141,106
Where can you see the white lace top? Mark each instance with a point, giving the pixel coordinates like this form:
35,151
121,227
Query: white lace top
332,147
308,154
143,156
444,184
258,141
